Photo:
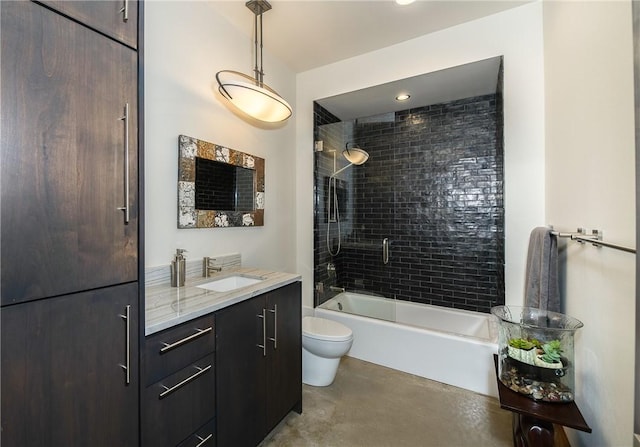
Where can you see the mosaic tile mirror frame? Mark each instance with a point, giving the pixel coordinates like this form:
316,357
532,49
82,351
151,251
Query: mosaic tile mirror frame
194,153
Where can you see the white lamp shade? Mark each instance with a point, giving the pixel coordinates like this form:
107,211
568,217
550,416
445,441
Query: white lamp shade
261,103
355,155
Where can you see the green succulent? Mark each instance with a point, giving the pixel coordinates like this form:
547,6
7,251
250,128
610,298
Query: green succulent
521,343
552,351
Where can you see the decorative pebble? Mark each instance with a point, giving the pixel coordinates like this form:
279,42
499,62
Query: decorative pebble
535,389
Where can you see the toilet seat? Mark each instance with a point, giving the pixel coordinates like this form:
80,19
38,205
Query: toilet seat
323,329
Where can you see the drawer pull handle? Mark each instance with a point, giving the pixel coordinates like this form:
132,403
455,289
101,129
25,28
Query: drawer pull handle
199,333
274,339
125,11
127,364
126,208
203,440
168,390
263,346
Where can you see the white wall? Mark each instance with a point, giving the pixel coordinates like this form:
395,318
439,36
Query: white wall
591,182
584,75
516,34
186,43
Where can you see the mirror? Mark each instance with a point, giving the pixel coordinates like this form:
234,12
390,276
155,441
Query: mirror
218,186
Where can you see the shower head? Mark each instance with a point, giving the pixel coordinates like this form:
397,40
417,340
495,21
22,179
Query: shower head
355,155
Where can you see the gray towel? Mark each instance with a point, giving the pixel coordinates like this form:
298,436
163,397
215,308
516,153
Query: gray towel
541,283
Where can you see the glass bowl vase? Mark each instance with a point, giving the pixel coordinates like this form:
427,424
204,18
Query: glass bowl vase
536,352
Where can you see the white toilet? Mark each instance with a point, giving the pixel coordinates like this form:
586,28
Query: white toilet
323,343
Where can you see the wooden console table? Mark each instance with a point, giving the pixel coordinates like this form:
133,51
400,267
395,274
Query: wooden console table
533,420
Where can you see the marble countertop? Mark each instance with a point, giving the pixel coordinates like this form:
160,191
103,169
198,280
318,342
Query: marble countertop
167,306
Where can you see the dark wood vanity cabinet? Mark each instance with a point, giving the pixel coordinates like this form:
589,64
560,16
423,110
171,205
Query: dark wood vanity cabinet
179,398
69,279
259,365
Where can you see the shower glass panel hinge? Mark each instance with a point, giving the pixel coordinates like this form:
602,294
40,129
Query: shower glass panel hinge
318,146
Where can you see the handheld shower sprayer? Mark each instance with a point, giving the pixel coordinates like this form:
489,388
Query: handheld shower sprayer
355,156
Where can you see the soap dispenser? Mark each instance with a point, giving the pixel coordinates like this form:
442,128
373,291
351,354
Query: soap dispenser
178,268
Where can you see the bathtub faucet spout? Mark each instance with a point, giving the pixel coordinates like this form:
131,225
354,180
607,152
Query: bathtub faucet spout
336,289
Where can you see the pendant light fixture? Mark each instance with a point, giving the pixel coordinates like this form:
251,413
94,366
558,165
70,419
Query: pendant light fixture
252,95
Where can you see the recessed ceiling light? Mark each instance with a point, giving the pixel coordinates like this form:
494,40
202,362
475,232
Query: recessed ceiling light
404,2
402,97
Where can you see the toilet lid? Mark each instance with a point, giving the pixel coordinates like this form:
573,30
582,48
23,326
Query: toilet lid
323,329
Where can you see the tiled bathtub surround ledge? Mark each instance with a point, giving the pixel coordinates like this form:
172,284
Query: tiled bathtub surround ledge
167,306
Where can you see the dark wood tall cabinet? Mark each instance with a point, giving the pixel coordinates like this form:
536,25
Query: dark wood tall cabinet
65,93
70,223
63,376
116,19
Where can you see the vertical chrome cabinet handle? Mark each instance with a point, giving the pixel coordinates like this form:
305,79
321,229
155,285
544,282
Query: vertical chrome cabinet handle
127,364
263,346
202,440
125,208
274,339
125,11
385,250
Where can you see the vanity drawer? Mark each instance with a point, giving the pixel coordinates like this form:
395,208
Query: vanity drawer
177,405
171,350
205,436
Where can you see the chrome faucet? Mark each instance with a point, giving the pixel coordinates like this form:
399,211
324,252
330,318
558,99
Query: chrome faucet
207,268
336,289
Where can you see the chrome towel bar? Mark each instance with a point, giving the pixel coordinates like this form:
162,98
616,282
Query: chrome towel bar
594,238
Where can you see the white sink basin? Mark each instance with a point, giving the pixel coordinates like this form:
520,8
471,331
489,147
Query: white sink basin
229,283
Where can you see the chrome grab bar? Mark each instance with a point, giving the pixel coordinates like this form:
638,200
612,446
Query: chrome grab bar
168,390
385,250
199,333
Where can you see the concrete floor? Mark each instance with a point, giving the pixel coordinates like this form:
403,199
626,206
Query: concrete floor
373,406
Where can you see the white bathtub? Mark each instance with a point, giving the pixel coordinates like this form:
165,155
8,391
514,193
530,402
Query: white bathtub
448,345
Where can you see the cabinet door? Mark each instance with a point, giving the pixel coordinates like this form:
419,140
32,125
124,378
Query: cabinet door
117,19
64,92
240,378
63,381
284,353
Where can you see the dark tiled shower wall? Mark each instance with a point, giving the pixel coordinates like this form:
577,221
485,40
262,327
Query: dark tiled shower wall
323,168
433,187
322,116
